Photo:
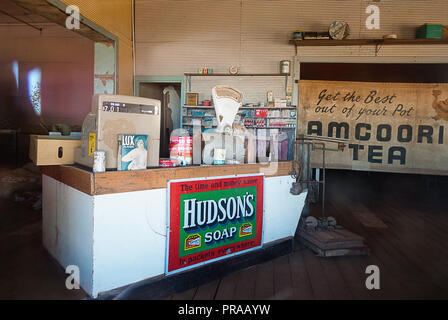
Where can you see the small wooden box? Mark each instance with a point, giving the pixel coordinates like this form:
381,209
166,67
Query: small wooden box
53,150
192,99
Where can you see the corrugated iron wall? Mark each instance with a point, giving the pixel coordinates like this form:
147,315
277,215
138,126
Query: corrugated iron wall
178,36
116,17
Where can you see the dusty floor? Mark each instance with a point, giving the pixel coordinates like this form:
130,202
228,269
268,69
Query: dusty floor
404,219
26,270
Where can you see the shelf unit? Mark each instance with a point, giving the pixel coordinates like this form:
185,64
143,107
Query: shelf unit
242,108
189,75
289,130
251,117
366,42
236,75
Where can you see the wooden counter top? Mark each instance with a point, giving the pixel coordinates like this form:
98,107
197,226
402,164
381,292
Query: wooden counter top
127,181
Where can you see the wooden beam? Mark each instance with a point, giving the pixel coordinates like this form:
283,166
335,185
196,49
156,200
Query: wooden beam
54,14
74,177
365,42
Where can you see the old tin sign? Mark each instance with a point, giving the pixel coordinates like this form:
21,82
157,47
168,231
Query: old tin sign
213,218
393,127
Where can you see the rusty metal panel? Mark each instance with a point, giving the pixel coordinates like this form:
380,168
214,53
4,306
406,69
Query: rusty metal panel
393,127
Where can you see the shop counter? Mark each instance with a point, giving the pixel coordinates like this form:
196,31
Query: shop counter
113,225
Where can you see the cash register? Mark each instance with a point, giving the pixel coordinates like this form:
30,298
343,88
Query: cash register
112,115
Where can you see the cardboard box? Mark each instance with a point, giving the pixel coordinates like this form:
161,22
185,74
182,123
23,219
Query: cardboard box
429,31
53,150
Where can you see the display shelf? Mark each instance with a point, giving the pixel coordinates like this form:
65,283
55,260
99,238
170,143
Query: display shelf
365,42
247,127
191,116
189,75
269,118
271,108
236,75
204,107
271,127
245,108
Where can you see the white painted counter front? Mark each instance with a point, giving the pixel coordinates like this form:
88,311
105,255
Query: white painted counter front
120,238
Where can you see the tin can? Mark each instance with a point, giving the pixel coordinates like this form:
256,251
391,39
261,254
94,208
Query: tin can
99,161
167,163
297,35
285,66
219,156
181,150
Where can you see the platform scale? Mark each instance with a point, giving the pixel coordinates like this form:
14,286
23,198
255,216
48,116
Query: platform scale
320,234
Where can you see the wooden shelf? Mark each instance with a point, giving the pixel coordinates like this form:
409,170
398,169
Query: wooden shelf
366,42
242,108
247,127
203,107
236,75
270,108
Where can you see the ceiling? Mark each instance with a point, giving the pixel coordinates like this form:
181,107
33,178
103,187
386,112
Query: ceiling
9,11
37,13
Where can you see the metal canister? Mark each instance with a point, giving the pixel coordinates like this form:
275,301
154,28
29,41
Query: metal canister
181,150
285,66
219,156
297,35
99,161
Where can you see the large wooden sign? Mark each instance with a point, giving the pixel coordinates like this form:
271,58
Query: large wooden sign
212,219
394,127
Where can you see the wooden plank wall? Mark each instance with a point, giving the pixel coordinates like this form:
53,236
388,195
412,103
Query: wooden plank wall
178,36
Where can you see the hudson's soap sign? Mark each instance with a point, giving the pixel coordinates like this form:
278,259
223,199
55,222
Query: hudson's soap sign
213,218
395,127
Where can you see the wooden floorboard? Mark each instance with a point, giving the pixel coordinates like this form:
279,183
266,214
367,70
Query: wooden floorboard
301,284
186,295
335,279
320,286
264,283
282,279
245,286
227,287
207,291
429,260
353,268
388,260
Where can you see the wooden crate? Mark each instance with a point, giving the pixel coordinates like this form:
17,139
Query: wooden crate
332,243
53,150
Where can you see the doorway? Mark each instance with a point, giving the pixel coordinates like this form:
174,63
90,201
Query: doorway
169,94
